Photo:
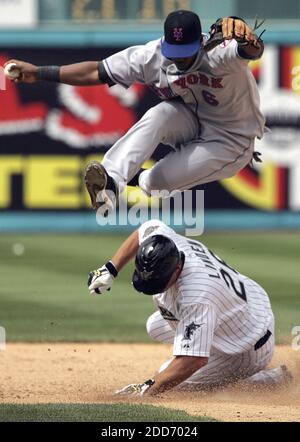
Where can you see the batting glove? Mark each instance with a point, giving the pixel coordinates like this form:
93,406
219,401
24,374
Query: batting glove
101,280
135,389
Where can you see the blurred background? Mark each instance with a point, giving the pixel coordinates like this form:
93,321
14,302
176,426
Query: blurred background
49,237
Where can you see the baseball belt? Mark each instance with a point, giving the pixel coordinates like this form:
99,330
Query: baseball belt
262,340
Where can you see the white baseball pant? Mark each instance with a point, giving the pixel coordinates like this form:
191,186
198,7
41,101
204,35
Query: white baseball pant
197,159
222,369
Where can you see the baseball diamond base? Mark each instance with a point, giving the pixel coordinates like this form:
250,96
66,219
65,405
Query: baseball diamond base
90,372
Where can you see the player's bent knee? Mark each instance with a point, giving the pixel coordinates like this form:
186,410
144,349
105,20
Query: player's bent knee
151,181
159,116
150,325
159,329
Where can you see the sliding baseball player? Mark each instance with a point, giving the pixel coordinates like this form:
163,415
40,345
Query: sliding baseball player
219,321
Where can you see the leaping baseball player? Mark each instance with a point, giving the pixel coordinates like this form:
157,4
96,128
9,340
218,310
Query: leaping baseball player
219,321
209,111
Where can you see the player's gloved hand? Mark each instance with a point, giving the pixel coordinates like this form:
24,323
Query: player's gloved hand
135,389
102,279
228,28
238,29
28,74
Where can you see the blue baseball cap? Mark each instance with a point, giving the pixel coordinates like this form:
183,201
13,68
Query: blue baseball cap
183,35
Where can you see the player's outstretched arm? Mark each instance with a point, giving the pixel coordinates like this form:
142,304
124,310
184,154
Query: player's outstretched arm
179,370
79,74
101,280
127,251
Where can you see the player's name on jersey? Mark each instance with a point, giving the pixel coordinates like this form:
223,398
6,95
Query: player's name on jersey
205,80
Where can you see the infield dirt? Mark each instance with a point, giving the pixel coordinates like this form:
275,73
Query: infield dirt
91,372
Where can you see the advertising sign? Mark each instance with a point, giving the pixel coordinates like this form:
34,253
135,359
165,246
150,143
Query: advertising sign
49,131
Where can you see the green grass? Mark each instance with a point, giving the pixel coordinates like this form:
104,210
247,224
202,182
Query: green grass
94,413
44,297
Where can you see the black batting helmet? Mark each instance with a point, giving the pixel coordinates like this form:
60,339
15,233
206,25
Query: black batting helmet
155,263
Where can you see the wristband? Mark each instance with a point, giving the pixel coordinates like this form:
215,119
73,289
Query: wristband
49,73
111,268
146,385
150,382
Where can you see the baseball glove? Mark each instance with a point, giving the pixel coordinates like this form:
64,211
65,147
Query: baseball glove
232,27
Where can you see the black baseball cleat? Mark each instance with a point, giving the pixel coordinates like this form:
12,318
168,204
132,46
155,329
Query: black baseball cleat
102,188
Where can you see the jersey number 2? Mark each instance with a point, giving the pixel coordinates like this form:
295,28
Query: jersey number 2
241,292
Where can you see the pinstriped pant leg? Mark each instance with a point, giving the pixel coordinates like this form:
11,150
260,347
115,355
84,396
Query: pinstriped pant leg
218,371
159,329
224,369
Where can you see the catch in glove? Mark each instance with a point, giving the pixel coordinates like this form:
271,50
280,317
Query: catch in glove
101,280
232,27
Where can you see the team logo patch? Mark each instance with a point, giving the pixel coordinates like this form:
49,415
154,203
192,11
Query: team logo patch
189,331
178,34
147,275
149,230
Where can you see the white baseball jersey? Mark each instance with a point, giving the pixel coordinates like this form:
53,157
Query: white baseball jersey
218,88
211,305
